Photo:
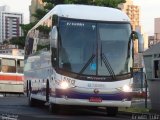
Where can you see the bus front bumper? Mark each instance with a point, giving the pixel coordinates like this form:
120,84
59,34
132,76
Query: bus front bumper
85,102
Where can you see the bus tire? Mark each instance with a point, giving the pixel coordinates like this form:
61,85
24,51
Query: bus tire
27,88
53,108
47,91
31,101
112,111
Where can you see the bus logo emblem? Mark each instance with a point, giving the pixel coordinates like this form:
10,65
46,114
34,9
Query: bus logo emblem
96,91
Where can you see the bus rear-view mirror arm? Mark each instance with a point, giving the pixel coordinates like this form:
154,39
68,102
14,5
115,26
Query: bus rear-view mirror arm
54,37
137,35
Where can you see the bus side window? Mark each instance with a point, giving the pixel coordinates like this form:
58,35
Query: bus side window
8,65
20,65
0,66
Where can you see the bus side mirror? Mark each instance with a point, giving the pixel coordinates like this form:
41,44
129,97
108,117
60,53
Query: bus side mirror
137,35
54,37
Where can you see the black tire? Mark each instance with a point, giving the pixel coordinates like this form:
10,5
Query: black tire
53,108
31,101
27,87
112,111
47,91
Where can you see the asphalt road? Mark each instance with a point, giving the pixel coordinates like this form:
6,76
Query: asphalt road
16,108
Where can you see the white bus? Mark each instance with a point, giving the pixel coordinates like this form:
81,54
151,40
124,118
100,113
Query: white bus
11,74
81,55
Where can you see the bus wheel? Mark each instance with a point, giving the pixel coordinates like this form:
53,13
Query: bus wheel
112,111
47,91
31,101
27,87
53,108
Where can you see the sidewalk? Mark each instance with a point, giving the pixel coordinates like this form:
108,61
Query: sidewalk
140,102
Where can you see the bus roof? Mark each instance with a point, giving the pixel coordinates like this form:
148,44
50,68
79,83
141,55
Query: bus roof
87,12
12,56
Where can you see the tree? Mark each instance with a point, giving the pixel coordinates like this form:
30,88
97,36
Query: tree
39,14
108,3
55,2
20,41
26,27
87,2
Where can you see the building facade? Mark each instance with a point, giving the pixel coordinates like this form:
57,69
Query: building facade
133,12
152,40
35,4
11,50
156,30
10,24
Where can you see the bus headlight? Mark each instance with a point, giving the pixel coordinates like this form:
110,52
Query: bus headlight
64,85
126,88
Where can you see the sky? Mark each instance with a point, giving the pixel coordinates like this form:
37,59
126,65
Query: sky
149,10
21,6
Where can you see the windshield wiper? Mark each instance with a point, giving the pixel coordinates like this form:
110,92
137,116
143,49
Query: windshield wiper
86,65
107,64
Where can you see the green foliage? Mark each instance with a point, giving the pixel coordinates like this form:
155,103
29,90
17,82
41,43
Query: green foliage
5,42
108,3
20,41
44,29
134,109
27,27
48,7
39,14
55,2
87,2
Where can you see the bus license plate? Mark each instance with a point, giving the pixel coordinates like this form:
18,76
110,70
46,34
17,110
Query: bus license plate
95,99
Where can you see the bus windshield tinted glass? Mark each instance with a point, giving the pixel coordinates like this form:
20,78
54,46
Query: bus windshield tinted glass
81,40
77,45
116,47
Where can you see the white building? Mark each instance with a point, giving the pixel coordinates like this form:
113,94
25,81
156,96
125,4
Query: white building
9,24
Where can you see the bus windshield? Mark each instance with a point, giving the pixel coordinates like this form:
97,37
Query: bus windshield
82,44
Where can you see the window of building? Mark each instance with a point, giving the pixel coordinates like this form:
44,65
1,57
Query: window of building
157,68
